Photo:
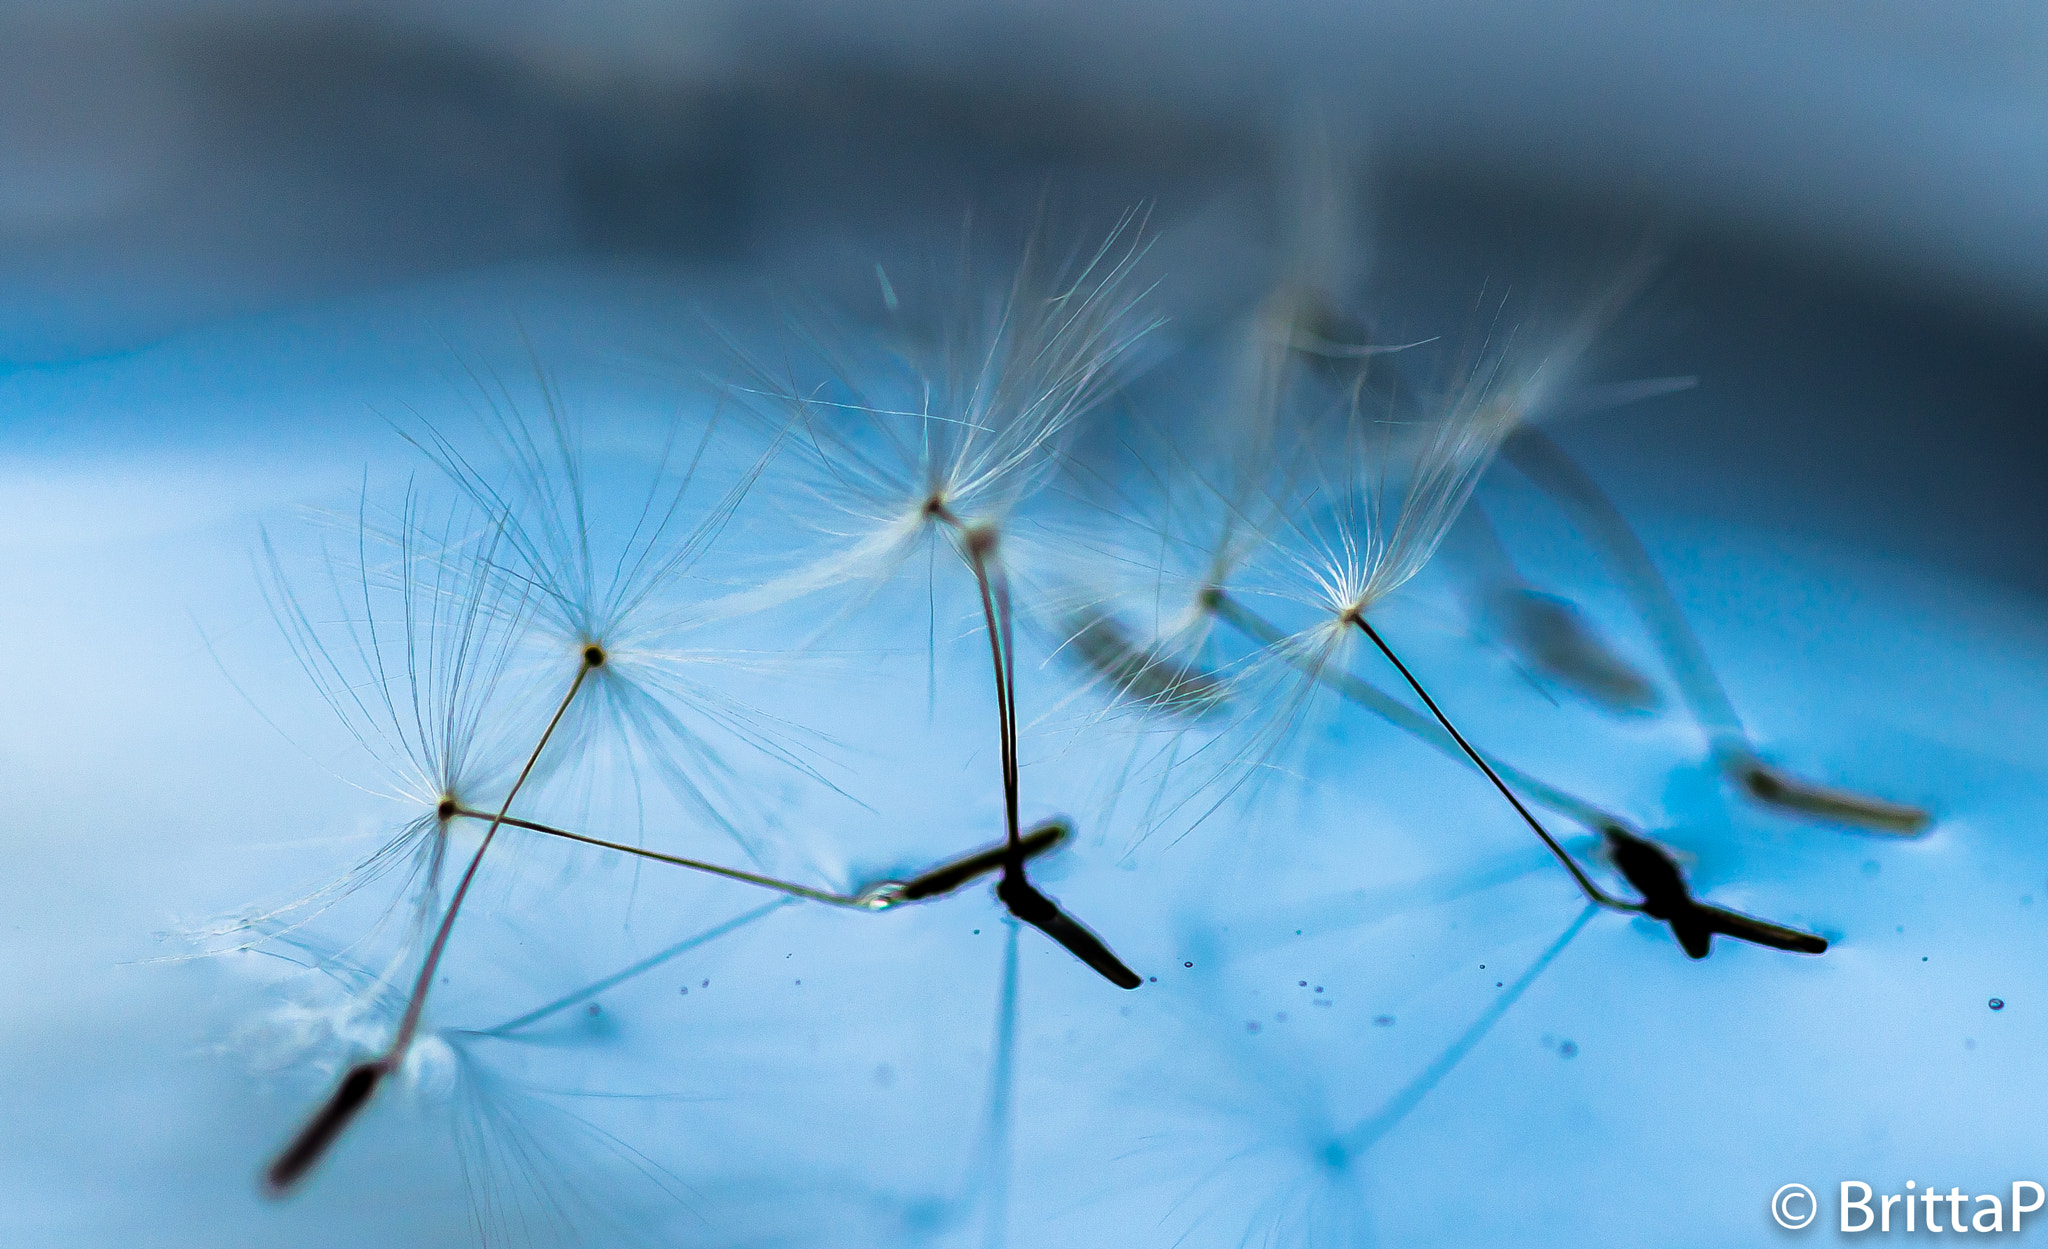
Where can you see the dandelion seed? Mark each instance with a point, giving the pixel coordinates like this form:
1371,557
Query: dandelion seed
614,594
535,562
349,1098
974,435
1546,463
417,676
1549,631
1285,530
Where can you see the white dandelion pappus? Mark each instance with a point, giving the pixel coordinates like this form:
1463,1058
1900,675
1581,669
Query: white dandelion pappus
617,591
548,561
413,663
946,443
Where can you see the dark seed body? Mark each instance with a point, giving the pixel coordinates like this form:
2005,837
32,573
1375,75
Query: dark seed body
313,1140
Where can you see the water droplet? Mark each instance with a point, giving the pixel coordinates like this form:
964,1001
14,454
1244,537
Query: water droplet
1998,1003
1187,964
1319,988
1302,983
1567,1049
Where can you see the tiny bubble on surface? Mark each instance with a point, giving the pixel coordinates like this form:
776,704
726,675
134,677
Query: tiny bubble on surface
1998,1003
686,990
1152,979
1187,964
1319,988
1302,983
1383,1021
1567,1049
592,1009
705,985
977,932
1252,1026
1496,984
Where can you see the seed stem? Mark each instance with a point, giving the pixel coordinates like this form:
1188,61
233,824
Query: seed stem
409,1024
1263,632
1586,884
348,1100
995,608
930,883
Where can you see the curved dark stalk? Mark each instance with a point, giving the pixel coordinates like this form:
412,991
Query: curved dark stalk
1586,885
995,604
313,1140
1545,463
1015,890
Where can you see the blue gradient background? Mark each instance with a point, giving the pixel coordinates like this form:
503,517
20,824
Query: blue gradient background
233,242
